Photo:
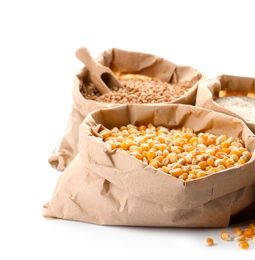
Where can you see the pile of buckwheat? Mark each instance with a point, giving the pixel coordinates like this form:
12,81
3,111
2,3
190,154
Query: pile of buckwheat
138,90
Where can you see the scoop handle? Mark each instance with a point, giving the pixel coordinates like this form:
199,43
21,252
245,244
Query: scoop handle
85,57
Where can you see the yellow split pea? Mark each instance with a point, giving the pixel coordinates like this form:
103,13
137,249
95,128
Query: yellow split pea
179,152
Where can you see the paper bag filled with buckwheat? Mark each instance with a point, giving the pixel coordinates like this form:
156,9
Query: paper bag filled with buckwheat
145,78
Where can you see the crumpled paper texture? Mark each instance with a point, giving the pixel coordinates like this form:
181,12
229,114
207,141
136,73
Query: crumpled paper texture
122,62
107,187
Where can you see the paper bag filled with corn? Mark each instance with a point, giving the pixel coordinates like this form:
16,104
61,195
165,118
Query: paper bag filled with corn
168,165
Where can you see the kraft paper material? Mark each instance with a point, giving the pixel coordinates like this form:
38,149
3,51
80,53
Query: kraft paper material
106,187
121,62
225,85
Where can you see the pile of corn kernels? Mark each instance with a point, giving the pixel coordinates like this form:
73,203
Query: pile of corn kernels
136,90
243,237
180,152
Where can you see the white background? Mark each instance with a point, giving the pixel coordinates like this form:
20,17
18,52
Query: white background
38,40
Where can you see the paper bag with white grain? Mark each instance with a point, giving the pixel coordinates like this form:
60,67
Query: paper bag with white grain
211,91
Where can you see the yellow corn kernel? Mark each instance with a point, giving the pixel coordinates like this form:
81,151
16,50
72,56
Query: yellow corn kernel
114,130
145,146
165,162
200,174
196,151
124,146
181,161
177,142
122,128
210,151
221,155
220,139
131,137
207,168
132,148
238,231
202,165
151,155
165,153
247,155
194,140
240,238
177,135
175,149
190,148
241,161
172,157
145,138
220,168
211,139
165,169
161,139
226,150
150,125
225,144
236,144
105,133
162,147
125,132
137,155
159,153
187,135
162,129
183,176
176,172
234,157
159,158
209,241
120,139
248,232
150,143
142,128
132,130
111,145
212,170
225,236
229,163
243,245
190,177
202,141
153,164
210,162
156,145
218,162
194,173
236,152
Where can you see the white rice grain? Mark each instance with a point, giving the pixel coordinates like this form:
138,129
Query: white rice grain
240,105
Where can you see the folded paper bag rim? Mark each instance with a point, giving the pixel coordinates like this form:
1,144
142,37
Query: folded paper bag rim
106,162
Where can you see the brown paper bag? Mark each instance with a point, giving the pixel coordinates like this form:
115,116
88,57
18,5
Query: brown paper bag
120,61
225,85
112,188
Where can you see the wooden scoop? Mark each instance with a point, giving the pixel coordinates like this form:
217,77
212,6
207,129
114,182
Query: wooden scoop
101,76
